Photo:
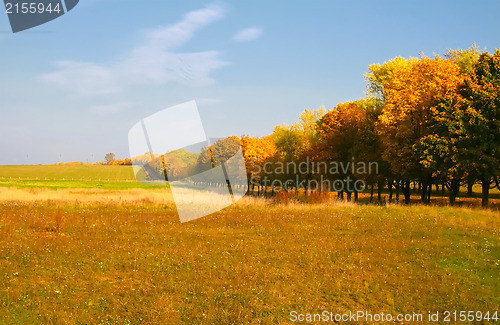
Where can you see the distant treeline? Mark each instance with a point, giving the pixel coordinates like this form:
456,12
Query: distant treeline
434,122
115,162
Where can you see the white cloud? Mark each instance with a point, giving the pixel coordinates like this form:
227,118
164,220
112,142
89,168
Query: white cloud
248,34
153,61
162,67
83,78
172,37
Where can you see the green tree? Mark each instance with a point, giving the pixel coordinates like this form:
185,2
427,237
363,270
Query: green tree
483,93
295,144
466,59
464,141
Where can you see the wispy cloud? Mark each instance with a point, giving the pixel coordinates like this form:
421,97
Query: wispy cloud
248,34
83,78
156,60
172,37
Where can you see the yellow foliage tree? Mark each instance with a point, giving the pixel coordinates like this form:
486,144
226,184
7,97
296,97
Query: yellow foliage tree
256,152
409,90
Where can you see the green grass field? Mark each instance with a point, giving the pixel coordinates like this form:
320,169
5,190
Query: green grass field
64,172
256,263
122,178
56,177
73,252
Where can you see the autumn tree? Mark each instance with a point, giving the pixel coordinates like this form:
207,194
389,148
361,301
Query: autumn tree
347,136
308,123
296,144
256,153
408,89
179,164
109,158
380,76
466,59
289,140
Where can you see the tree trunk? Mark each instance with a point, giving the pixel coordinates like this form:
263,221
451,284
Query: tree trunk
308,190
371,194
469,188
398,184
379,191
429,192
389,184
454,189
485,184
422,186
407,192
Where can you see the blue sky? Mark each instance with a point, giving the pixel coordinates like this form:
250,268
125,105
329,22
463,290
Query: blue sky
73,87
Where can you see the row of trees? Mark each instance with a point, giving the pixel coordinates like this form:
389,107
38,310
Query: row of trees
426,121
110,159
430,121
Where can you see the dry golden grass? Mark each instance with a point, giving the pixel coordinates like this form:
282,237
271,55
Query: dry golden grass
86,196
101,257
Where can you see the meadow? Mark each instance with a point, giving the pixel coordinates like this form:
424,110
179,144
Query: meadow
67,176
68,172
119,255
